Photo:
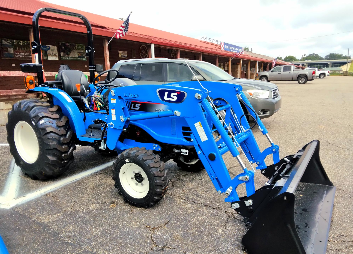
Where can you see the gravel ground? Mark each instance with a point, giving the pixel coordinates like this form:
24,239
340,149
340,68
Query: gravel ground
89,216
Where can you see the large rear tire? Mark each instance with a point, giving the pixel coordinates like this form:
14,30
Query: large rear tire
40,139
140,177
322,75
302,79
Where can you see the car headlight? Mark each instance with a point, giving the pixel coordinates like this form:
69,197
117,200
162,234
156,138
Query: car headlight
262,94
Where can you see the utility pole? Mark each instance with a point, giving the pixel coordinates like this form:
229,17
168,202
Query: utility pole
347,60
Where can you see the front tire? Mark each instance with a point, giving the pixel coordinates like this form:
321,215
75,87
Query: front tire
40,139
302,79
264,78
140,177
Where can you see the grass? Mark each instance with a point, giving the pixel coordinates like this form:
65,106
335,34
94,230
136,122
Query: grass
351,68
340,74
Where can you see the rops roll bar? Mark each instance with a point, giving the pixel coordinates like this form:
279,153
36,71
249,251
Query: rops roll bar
37,47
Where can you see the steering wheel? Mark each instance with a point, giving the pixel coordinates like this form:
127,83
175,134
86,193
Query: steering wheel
106,81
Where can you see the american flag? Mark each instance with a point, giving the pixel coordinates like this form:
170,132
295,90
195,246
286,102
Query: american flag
237,54
121,32
274,62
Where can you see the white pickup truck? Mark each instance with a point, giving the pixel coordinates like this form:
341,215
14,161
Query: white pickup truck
319,73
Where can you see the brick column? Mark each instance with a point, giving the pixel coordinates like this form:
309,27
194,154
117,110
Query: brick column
217,61
178,54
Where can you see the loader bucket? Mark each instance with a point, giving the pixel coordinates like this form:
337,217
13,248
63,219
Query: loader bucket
297,218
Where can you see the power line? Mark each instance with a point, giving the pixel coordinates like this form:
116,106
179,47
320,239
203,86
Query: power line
297,39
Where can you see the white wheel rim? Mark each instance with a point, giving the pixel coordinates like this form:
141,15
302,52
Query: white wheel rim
26,142
134,180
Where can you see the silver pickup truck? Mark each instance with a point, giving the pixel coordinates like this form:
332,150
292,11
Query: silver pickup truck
287,73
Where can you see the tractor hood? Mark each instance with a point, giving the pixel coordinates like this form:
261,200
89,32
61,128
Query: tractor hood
253,84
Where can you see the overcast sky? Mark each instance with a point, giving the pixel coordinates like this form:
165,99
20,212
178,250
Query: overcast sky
270,27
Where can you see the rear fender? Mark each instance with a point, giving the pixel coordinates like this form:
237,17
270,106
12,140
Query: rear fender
68,107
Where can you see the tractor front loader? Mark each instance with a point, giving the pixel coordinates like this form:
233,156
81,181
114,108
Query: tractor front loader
148,125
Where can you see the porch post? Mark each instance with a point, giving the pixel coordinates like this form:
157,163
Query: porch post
106,54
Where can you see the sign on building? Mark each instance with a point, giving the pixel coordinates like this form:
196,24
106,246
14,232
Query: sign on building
230,47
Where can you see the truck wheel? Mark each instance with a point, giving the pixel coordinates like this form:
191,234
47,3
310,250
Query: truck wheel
322,75
190,166
264,78
140,177
40,139
302,79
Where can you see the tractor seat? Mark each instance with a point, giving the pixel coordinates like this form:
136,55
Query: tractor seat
69,79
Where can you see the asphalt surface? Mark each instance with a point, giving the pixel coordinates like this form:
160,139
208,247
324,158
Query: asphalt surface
89,216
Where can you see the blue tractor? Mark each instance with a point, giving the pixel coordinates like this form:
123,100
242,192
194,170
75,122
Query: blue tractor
193,123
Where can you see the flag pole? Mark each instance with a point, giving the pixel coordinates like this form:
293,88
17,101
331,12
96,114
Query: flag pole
116,31
112,37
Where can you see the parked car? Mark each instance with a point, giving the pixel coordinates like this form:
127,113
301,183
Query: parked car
287,73
319,73
264,97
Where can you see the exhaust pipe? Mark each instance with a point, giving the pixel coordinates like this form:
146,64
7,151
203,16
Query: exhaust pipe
292,213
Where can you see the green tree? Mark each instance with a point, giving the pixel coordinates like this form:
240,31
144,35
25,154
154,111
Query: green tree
290,59
246,49
312,57
279,58
335,56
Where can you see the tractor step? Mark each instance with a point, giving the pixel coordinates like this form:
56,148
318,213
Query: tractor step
93,134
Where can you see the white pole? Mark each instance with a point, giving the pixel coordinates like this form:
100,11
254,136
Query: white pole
152,51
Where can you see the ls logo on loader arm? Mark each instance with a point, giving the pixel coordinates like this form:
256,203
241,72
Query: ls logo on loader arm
173,96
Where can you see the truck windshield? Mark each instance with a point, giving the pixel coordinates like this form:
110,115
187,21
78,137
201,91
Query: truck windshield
213,72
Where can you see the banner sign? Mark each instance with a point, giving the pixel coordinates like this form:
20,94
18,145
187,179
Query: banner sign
231,48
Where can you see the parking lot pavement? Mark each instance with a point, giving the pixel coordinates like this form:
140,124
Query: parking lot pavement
86,215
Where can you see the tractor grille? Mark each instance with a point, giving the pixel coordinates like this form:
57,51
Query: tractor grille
186,133
275,93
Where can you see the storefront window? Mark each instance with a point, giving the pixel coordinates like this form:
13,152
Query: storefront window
15,49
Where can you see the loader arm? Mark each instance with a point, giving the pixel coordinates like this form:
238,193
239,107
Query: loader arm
204,119
270,208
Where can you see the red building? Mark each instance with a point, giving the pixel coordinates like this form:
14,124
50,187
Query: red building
67,37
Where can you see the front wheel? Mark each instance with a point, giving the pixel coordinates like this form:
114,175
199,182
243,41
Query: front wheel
140,177
40,139
264,78
302,79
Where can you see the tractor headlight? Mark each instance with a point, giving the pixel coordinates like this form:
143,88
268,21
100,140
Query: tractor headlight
262,94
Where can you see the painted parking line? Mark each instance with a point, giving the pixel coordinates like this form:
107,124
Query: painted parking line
13,181
9,197
4,144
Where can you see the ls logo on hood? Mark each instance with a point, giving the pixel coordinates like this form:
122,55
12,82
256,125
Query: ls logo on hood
173,96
